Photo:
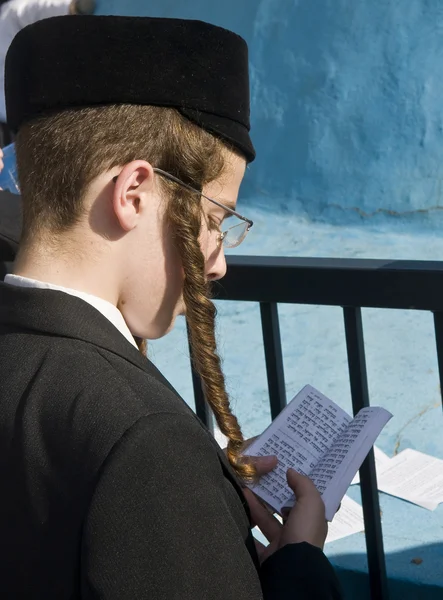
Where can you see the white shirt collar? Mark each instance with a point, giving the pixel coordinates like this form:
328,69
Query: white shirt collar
107,309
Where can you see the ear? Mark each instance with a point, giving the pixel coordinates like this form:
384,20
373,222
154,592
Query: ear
131,189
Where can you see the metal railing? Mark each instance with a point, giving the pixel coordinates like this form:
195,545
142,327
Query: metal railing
351,284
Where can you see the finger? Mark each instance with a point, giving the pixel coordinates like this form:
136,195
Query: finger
285,514
306,494
259,546
248,442
264,464
300,484
269,525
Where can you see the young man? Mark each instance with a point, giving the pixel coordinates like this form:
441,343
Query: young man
133,138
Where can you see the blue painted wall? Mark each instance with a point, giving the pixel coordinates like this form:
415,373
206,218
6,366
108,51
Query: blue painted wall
347,99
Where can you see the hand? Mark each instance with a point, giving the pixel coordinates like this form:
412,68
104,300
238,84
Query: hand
263,464
305,523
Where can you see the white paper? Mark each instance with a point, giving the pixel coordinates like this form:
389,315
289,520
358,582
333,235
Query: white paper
380,460
413,476
347,521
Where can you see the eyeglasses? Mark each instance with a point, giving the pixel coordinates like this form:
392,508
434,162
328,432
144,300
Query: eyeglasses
231,237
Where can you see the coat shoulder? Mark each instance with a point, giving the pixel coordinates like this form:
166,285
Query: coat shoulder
77,398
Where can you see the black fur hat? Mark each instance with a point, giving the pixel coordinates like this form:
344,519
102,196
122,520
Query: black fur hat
76,61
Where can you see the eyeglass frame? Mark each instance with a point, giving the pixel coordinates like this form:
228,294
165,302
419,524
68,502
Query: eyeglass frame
216,202
200,193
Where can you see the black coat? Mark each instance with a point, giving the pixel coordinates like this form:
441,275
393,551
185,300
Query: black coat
111,486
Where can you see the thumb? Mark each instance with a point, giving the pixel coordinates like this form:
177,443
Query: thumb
300,484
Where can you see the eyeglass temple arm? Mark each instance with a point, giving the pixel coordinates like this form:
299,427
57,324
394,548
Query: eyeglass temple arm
191,189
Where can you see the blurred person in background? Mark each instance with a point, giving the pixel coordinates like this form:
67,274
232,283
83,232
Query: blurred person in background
14,16
10,226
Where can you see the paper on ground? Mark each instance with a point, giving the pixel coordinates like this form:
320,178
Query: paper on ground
347,521
380,460
415,477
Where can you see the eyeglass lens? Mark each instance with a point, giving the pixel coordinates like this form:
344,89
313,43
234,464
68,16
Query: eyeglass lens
233,236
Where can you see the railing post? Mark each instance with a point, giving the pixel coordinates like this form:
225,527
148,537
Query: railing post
201,407
438,326
273,356
368,479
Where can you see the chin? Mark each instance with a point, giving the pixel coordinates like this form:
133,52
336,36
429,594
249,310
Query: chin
163,326
180,312
156,333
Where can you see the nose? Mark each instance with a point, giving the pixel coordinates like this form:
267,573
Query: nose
216,267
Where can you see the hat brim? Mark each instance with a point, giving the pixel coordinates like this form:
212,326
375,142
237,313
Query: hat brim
233,132
10,225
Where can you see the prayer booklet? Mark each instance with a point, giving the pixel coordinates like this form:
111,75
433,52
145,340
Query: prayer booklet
317,438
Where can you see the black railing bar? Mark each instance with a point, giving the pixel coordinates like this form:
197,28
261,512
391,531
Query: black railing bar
377,284
273,357
201,407
334,264
438,326
368,479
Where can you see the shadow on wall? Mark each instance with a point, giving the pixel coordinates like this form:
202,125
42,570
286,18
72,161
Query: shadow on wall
412,573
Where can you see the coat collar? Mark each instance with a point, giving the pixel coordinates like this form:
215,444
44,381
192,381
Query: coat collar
58,314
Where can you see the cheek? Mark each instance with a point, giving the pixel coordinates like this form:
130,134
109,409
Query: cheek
203,237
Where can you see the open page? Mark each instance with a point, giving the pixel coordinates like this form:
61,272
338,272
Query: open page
301,434
335,470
